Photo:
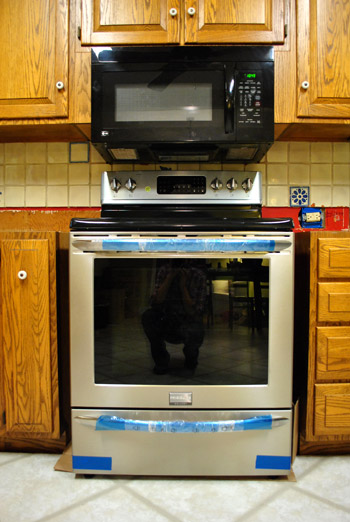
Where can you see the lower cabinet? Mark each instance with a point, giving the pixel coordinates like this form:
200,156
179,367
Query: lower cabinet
29,395
324,257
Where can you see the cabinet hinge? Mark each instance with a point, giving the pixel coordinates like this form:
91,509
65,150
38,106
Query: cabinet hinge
285,30
79,33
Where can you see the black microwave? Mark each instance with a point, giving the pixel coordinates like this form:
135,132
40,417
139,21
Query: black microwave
182,104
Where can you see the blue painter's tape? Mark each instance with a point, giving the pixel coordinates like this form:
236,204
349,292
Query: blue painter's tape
273,462
188,245
113,423
92,463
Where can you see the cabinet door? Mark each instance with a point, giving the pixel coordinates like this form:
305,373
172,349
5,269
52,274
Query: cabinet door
334,257
130,22
332,409
34,50
333,353
323,58
234,21
26,336
333,302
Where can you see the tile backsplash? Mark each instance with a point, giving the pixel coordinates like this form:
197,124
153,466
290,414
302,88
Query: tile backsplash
68,175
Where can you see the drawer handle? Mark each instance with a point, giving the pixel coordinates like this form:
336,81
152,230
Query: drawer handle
113,423
22,274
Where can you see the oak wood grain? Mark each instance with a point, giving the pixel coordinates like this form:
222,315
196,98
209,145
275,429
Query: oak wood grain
34,38
332,409
334,258
333,353
323,58
130,22
333,302
26,335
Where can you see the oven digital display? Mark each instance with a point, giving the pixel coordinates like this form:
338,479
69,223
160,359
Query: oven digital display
181,185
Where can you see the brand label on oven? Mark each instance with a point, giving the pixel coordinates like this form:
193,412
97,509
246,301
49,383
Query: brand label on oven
180,398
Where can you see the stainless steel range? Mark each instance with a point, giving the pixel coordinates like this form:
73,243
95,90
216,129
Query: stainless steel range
181,313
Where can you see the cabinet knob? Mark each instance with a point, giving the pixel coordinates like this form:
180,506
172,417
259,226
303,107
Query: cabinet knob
173,11
60,85
191,11
22,274
305,85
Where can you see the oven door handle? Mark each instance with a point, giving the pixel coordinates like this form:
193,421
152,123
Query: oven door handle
113,423
175,245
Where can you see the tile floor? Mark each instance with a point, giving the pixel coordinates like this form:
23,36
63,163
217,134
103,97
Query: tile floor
31,490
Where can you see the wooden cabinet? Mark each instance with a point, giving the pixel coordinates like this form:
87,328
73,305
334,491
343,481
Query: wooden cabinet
323,59
29,370
34,67
327,400
106,22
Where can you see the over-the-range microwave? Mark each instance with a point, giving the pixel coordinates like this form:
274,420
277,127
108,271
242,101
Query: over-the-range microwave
183,104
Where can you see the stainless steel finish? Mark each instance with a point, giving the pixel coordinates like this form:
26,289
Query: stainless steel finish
210,454
231,184
276,394
146,188
216,184
180,398
247,185
115,184
130,185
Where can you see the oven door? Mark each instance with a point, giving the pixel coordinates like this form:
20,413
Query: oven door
194,321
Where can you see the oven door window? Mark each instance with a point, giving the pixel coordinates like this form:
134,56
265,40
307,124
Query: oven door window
158,98
178,321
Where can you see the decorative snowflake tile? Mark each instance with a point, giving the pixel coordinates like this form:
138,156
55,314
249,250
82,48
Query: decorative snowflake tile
299,196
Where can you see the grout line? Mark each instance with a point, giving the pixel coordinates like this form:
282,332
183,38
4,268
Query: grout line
79,503
153,506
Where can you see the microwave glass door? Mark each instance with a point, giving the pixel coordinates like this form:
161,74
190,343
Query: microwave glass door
152,99
186,321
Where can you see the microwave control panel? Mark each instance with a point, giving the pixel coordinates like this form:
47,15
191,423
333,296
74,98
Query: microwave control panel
249,88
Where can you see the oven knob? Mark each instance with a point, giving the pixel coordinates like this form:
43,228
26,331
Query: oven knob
231,184
216,184
130,185
247,185
115,184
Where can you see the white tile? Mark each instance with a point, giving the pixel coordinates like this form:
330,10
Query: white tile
115,505
294,505
278,196
34,490
209,499
320,196
330,480
340,197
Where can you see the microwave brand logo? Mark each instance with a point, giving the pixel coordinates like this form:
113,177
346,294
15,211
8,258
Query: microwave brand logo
104,133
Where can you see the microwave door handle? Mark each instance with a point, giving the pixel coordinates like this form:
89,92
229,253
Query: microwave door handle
229,99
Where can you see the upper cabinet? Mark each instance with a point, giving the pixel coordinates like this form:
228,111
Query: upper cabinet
34,68
323,59
125,22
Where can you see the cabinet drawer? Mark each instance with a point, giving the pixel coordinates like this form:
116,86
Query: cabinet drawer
333,353
332,409
334,257
333,302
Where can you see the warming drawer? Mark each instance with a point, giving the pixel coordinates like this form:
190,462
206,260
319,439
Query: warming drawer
220,443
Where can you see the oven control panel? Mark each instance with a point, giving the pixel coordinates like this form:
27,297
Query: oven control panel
152,187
